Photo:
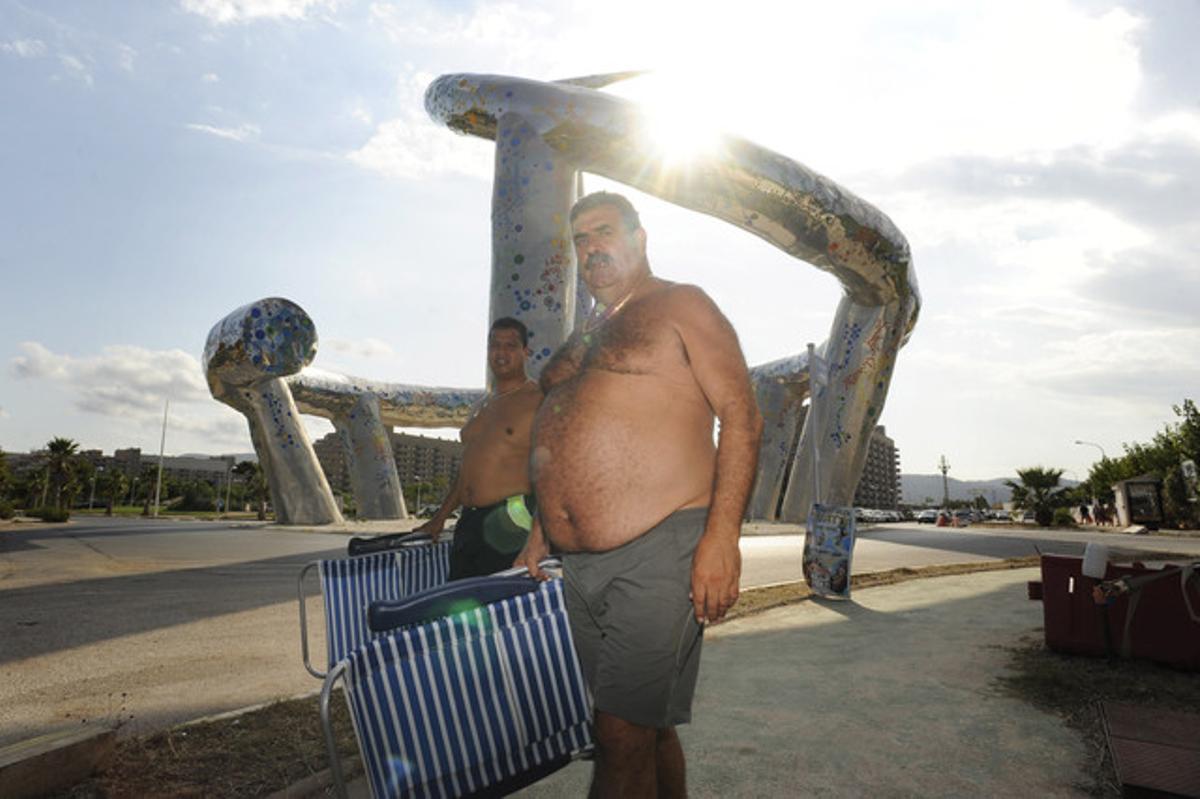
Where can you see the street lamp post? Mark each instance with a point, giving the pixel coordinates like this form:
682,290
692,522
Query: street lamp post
1103,457
944,468
417,477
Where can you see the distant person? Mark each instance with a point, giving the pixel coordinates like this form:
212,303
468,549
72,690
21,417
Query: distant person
493,485
633,489
1085,514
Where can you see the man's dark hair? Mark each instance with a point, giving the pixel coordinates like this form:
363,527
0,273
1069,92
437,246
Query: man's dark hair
629,214
508,323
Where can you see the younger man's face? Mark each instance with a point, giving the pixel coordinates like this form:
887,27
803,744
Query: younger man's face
506,353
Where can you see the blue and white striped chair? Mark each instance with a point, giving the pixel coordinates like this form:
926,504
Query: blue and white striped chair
483,701
349,585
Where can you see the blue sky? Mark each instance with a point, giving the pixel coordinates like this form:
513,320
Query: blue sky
165,163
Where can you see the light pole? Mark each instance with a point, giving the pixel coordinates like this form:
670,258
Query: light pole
417,477
1103,457
944,467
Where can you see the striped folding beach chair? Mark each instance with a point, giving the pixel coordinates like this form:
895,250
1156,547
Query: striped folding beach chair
484,701
349,585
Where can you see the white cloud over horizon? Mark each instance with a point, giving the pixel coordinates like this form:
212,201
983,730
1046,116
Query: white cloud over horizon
226,12
24,48
243,132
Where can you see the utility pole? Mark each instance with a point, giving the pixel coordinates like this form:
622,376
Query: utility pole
944,467
162,445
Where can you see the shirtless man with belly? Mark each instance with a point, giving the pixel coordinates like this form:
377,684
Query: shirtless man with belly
632,489
493,481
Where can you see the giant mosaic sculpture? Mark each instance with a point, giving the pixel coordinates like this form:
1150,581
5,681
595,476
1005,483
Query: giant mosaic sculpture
546,135
257,361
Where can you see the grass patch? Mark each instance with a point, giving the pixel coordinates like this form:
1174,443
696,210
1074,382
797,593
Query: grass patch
1072,687
254,754
757,600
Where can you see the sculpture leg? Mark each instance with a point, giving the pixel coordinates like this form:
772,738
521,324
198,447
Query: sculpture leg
783,413
861,352
533,260
299,490
370,461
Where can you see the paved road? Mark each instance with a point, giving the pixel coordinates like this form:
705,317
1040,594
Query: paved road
165,621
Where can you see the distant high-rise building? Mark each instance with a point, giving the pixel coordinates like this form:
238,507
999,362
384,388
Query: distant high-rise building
332,457
416,456
427,458
879,486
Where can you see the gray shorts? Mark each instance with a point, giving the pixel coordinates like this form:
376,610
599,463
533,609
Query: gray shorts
633,623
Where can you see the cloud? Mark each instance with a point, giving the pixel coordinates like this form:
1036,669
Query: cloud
1159,287
76,69
362,348
24,48
505,24
126,56
242,132
1146,181
412,146
122,381
1152,366
226,12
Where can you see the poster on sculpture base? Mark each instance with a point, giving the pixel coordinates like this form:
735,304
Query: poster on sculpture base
828,548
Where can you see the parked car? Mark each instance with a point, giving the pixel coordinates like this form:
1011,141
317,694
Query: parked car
962,517
927,517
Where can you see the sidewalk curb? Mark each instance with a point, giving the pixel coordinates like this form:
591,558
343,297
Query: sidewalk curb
54,761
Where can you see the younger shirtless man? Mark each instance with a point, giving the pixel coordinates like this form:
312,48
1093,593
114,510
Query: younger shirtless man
493,481
632,489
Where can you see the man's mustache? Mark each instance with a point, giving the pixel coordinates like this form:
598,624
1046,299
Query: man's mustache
597,259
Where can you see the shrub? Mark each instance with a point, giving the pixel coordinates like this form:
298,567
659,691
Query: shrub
197,495
50,514
1063,517
6,509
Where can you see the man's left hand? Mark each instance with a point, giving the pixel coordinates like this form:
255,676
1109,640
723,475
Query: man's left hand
716,570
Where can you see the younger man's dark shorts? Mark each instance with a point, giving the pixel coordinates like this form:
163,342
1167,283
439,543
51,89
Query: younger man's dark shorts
488,539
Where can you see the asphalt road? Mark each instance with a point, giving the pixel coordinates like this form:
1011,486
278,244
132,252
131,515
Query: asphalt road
148,623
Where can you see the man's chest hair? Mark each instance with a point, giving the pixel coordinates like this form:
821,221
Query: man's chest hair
638,342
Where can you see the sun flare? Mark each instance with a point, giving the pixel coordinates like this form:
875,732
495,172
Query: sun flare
680,125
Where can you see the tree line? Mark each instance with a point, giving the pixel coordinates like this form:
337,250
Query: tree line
1165,457
64,480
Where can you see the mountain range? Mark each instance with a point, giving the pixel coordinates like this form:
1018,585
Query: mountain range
925,490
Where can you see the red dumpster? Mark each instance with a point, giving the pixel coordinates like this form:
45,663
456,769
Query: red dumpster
1157,618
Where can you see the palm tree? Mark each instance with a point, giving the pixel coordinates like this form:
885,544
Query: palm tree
59,467
252,475
112,484
1038,491
146,481
5,477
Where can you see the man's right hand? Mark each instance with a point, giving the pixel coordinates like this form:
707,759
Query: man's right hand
536,549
